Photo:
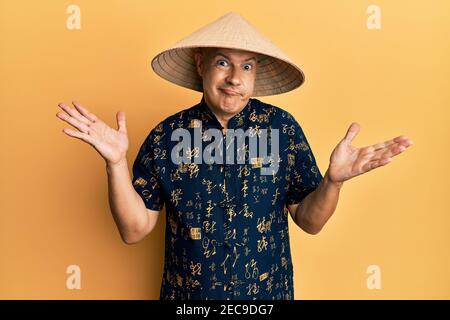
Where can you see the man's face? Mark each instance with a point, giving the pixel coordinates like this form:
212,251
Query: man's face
228,78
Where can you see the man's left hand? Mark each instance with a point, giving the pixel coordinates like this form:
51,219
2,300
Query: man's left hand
347,161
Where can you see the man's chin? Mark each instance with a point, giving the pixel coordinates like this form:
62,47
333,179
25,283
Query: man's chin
229,101
232,107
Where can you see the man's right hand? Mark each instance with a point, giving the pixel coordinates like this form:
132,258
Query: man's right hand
112,144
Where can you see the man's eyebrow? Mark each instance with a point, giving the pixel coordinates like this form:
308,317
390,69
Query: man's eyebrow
225,56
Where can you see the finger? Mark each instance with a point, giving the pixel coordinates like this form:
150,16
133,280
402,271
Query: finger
403,139
79,135
74,122
400,139
89,115
74,113
121,121
391,150
381,145
370,165
352,132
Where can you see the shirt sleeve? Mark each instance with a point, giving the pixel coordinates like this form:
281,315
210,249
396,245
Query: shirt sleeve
146,180
305,174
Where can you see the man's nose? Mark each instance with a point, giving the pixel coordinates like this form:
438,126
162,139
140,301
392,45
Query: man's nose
234,77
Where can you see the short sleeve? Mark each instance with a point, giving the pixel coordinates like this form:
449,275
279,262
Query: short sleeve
305,174
146,180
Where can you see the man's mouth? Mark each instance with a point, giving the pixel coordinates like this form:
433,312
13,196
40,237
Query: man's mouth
229,92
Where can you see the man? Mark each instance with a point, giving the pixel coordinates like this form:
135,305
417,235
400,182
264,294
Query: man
227,206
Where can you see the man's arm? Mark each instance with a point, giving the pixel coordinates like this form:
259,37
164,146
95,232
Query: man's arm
317,207
132,218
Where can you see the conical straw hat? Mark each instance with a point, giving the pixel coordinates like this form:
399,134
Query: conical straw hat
276,73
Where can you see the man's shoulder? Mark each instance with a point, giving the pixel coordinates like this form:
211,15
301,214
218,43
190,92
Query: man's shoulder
274,111
178,119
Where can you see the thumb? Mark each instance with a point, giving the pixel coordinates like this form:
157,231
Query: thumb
352,132
121,123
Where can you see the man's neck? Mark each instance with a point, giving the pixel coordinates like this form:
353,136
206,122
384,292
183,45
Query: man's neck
224,118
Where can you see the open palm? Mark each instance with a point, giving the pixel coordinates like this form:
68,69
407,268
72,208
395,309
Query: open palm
347,161
112,144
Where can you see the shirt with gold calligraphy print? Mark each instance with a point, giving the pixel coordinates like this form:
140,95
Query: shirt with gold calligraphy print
226,231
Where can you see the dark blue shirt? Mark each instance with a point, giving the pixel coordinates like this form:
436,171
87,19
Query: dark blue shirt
227,231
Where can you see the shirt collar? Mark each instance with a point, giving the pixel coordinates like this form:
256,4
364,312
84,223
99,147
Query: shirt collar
239,120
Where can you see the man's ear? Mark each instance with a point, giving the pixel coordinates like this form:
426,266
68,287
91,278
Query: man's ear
198,56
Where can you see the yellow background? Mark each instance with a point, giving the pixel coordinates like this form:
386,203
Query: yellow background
54,206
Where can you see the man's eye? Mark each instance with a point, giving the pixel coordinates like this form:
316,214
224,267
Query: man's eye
222,63
248,67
